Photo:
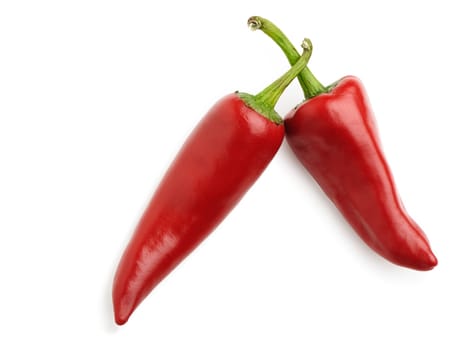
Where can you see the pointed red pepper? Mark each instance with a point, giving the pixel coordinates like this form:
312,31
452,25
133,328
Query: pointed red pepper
333,134
219,162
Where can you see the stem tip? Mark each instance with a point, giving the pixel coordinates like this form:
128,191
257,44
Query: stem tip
254,23
307,44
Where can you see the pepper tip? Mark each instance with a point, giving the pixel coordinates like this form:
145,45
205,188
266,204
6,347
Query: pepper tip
427,262
121,317
432,261
119,320
123,309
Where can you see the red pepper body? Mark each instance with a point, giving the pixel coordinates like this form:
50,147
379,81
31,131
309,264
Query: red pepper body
334,136
221,159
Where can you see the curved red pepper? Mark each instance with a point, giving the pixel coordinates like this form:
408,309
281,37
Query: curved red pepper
221,159
333,134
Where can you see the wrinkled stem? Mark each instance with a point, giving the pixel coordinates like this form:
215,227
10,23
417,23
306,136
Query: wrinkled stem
309,84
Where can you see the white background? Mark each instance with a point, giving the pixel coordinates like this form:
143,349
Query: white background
96,97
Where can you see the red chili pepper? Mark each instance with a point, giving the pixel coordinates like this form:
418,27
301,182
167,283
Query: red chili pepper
219,162
333,134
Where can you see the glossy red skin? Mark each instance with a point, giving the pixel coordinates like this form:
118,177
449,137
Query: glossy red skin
219,162
334,135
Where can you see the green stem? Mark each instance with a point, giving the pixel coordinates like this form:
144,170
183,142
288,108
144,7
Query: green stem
265,101
309,84
272,93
